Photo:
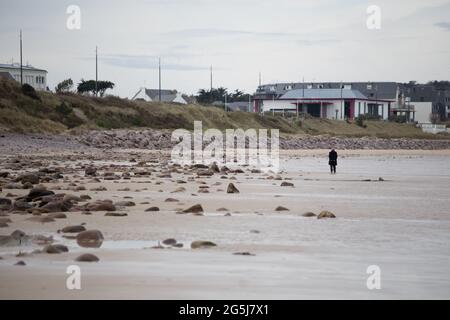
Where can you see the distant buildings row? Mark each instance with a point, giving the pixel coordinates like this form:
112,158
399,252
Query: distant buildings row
348,100
330,100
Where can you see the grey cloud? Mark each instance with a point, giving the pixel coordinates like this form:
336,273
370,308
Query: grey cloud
226,32
145,62
318,42
299,38
444,25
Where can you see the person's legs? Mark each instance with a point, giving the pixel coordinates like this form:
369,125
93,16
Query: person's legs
333,169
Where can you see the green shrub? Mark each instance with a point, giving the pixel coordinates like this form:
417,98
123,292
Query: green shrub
64,109
398,119
30,92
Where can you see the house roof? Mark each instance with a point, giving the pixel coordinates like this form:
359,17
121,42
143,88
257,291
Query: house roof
323,94
17,66
171,96
376,90
154,94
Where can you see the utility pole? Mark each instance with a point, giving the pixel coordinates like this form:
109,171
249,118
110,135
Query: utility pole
303,92
159,71
341,100
96,71
226,109
211,78
21,67
260,79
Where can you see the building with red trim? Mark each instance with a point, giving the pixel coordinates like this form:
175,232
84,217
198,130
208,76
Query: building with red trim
339,104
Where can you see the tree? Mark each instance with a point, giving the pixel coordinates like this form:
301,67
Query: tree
89,86
219,94
440,85
64,86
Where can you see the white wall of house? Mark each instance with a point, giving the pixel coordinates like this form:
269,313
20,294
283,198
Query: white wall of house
333,108
423,111
35,78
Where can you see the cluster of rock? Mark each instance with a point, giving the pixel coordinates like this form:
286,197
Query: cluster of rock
326,142
161,139
128,139
156,139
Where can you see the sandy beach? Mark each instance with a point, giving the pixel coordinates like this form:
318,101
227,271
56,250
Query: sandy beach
391,207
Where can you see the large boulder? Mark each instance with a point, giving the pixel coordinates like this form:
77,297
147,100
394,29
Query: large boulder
28,177
232,188
54,249
38,193
87,257
326,215
125,204
202,244
309,214
22,205
5,204
101,205
90,171
194,209
205,173
73,229
58,206
90,239
116,214
170,242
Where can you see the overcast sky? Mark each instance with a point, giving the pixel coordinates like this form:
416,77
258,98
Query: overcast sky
285,40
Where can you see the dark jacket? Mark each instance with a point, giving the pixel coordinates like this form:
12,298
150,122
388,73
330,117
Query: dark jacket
332,156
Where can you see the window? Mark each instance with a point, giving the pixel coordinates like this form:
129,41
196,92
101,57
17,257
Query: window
369,86
373,109
309,86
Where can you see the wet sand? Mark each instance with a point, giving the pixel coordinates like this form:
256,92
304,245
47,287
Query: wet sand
401,224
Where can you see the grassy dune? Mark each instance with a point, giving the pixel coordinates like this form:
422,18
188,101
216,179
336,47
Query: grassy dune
57,113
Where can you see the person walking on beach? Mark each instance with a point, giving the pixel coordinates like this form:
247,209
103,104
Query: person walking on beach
332,161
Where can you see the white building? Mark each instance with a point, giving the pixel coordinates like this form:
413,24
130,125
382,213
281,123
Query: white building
337,104
37,78
423,110
170,96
